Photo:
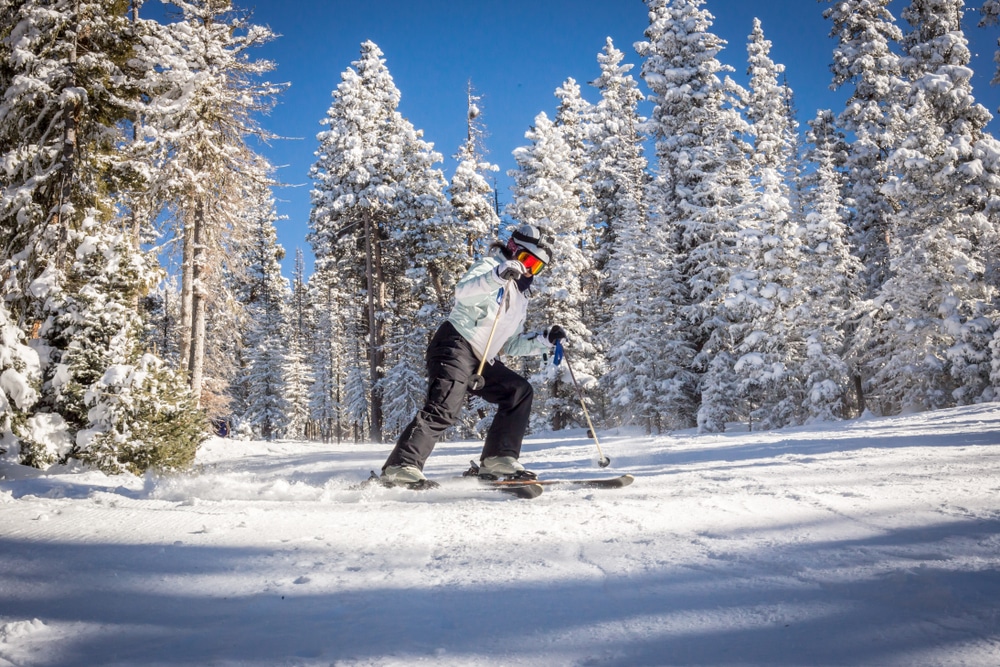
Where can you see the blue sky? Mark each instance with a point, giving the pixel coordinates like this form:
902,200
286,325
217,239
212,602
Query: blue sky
515,53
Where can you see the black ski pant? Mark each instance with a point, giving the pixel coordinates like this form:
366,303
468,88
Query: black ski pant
451,361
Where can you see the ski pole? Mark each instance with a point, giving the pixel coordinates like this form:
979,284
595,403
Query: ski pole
603,461
477,382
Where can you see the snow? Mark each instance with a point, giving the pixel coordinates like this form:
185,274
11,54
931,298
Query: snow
869,542
50,430
16,386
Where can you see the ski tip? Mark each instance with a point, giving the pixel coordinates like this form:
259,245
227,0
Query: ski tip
526,491
605,482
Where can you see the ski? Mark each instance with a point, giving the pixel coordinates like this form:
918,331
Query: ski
520,489
596,483
529,479
526,491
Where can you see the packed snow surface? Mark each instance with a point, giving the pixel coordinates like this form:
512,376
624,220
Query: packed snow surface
870,542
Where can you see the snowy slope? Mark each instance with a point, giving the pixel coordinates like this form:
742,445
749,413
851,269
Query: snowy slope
872,542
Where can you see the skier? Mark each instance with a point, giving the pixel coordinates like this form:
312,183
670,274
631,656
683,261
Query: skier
494,292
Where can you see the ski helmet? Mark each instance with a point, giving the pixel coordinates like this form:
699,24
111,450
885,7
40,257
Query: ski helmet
529,237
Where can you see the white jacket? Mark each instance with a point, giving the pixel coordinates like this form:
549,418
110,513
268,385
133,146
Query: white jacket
478,296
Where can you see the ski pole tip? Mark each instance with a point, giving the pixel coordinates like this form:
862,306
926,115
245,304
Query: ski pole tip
604,462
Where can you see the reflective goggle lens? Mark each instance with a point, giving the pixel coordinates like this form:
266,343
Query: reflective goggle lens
531,263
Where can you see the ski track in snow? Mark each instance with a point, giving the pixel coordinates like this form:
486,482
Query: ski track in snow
869,542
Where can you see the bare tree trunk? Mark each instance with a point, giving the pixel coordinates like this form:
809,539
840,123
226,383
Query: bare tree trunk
558,418
376,292
443,297
338,378
187,280
196,360
136,220
859,391
69,153
381,283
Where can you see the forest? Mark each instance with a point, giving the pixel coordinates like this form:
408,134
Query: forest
715,263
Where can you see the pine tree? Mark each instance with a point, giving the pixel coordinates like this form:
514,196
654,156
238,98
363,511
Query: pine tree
702,187
827,277
329,345
352,199
762,292
357,391
866,34
20,378
626,257
475,206
936,309
404,385
471,195
266,409
298,374
430,238
74,277
205,98
574,120
374,182
51,190
546,195
991,16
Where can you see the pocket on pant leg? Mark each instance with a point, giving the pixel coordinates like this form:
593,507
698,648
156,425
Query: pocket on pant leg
445,397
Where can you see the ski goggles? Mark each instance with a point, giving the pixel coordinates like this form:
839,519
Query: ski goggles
530,262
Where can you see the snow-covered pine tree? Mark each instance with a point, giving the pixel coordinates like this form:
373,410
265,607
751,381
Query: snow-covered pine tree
937,307
704,187
205,100
827,276
54,104
300,334
75,278
573,118
329,357
474,204
161,312
990,17
20,378
265,341
352,200
574,123
546,195
472,197
615,166
866,34
357,392
628,253
762,292
129,411
404,385
373,183
431,240
134,195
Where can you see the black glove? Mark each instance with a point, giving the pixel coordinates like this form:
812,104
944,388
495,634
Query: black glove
511,270
554,334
